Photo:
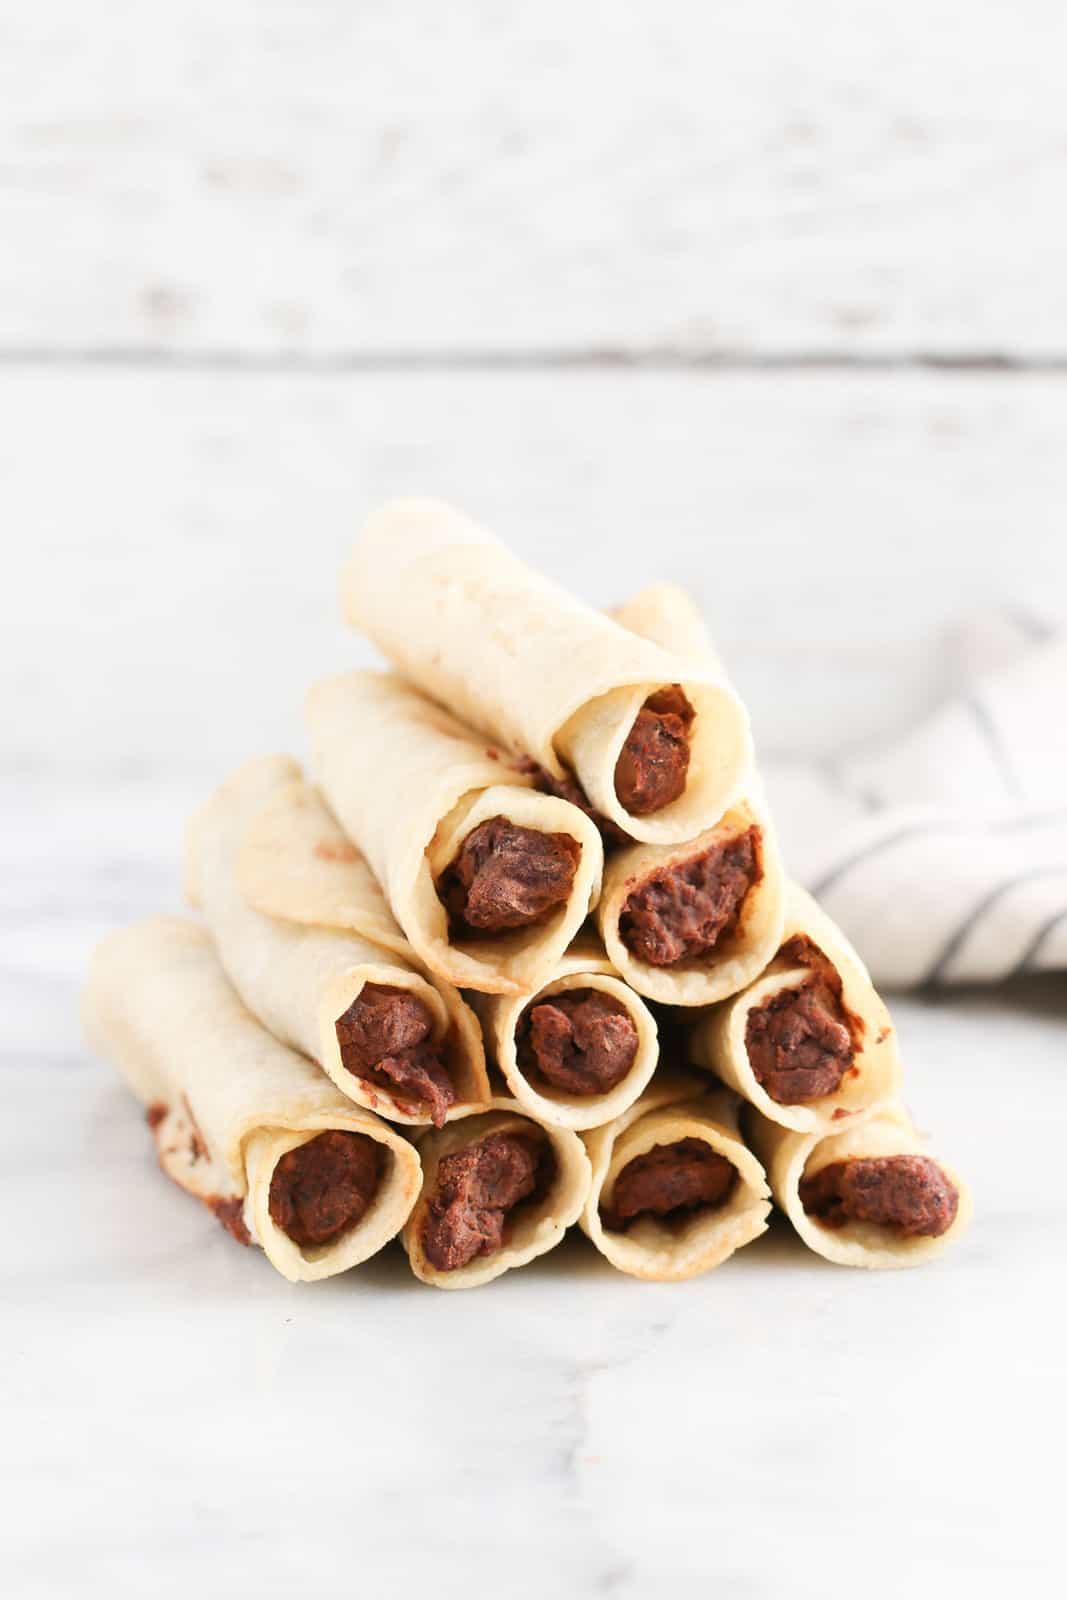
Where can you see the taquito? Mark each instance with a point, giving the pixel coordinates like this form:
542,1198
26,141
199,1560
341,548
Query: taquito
810,1042
245,1124
660,747
396,1043
498,1190
693,923
869,1196
580,1050
489,880
674,1190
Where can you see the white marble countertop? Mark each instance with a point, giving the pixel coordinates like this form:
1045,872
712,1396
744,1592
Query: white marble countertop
172,1407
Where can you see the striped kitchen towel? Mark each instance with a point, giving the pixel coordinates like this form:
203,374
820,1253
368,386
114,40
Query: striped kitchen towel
943,854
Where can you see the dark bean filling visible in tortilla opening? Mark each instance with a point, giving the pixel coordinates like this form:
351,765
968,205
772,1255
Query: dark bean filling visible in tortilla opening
506,876
683,911
909,1194
800,1042
582,1041
671,1182
476,1193
653,763
385,1038
324,1186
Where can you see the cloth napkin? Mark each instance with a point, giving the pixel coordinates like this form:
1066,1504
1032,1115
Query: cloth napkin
943,853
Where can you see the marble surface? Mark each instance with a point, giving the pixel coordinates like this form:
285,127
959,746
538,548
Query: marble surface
179,1419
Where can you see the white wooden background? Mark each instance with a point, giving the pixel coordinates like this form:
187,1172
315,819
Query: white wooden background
323,178
261,264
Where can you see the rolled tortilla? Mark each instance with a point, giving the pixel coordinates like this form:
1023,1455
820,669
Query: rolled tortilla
297,863
812,945
791,1157
225,1100
300,979
664,614
540,672
675,1107
408,784
535,1226
743,948
584,967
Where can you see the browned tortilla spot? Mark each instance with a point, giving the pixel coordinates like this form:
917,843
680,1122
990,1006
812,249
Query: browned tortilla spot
231,1214
328,850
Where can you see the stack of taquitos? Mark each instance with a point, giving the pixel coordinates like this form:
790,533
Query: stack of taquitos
556,812
812,1051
